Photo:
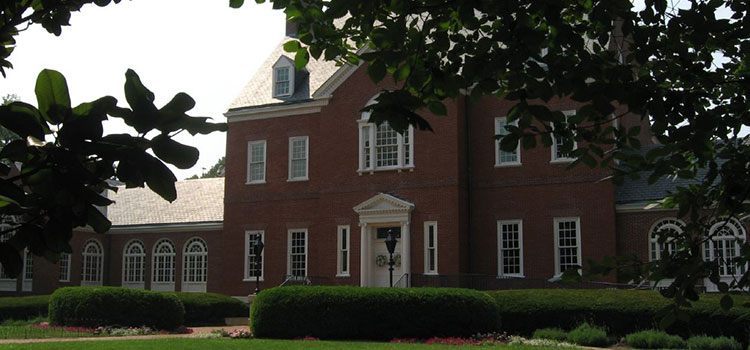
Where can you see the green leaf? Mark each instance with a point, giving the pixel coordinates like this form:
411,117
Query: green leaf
437,108
52,95
376,71
727,302
159,178
97,220
22,119
144,116
292,46
173,152
235,4
10,259
301,58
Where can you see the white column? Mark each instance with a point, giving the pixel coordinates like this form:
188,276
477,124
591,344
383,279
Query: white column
364,250
406,250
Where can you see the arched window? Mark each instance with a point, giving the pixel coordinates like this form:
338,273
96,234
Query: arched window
381,147
163,266
93,260
725,239
133,264
669,227
195,266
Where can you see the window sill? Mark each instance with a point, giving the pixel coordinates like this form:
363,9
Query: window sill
431,274
255,182
562,160
501,277
372,171
508,165
343,275
301,179
251,279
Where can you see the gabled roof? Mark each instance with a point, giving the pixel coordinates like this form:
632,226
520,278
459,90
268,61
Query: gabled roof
383,202
200,200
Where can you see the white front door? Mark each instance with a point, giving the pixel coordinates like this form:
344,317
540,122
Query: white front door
379,274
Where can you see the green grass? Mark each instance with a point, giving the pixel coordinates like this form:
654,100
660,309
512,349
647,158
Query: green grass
25,332
237,344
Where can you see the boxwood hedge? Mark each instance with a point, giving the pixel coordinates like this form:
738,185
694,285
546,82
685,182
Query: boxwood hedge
371,313
23,308
97,306
210,308
622,311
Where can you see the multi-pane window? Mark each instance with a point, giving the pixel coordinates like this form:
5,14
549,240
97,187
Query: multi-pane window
4,238
430,247
726,237
163,265
92,264
510,248
253,262
256,162
503,158
65,263
133,263
298,252
559,153
665,231
567,244
343,251
382,148
28,266
282,81
298,155
195,261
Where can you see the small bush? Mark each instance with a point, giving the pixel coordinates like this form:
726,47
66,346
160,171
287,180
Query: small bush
23,308
209,308
372,313
550,333
110,306
652,339
703,342
588,335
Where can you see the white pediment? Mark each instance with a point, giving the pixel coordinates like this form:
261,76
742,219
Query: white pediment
383,203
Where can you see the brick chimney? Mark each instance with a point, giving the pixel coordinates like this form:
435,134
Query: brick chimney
291,29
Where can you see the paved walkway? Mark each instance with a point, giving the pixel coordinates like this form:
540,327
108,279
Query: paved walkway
196,330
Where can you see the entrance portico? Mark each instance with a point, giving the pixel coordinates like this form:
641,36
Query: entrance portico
380,213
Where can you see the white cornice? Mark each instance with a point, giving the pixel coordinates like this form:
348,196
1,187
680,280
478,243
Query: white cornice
181,227
276,111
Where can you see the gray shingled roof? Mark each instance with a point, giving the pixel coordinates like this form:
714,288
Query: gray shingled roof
258,91
200,200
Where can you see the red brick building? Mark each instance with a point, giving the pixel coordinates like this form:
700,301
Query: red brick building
321,187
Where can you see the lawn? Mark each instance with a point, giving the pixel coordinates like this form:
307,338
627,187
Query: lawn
237,344
26,332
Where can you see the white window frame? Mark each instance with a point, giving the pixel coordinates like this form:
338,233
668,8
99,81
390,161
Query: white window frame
367,144
202,256
251,161
283,63
249,251
500,256
554,158
306,139
289,251
65,266
500,122
96,258
428,248
343,231
579,248
169,259
126,272
738,237
654,247
28,271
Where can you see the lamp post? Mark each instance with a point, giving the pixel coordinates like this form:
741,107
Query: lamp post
390,243
257,250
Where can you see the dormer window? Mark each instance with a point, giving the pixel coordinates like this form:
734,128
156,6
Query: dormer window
283,77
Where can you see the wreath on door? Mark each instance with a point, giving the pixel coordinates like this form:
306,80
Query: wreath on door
382,260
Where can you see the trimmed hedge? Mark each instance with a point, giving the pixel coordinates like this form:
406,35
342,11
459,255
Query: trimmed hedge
23,308
550,333
105,306
703,342
653,339
621,311
372,313
588,335
210,308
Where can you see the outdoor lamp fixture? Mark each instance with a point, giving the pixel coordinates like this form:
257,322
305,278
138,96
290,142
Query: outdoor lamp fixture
257,249
390,243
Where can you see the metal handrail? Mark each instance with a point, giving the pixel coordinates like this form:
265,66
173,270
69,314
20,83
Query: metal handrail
403,277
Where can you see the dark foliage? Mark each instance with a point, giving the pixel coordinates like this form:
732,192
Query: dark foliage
23,308
210,308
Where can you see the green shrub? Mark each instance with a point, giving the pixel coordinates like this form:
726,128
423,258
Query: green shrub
372,313
209,308
588,335
23,308
703,342
106,306
621,311
550,333
652,339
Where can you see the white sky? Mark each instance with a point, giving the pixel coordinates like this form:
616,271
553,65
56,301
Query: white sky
201,47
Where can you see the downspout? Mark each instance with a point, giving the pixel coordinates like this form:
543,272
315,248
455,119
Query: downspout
468,184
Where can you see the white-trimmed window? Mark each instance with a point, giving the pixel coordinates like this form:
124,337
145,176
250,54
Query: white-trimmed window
430,248
504,158
251,269
343,257
510,248
28,271
297,264
567,244
298,158
382,148
65,264
667,227
133,264
283,77
195,261
558,155
4,238
92,264
163,265
726,240
256,162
